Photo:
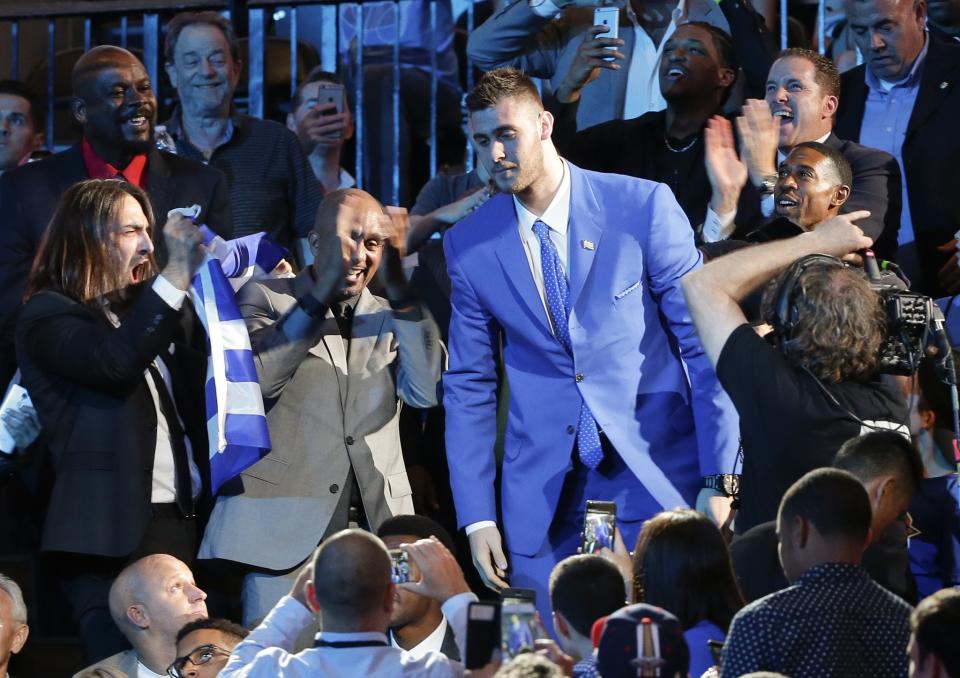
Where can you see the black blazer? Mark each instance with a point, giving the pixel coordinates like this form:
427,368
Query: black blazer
930,151
86,380
29,195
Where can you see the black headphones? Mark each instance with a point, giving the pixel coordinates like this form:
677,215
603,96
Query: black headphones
785,316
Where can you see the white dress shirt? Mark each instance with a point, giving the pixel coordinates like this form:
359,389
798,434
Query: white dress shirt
265,653
431,643
557,218
144,672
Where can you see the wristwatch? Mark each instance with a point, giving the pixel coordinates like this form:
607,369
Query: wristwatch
767,184
727,483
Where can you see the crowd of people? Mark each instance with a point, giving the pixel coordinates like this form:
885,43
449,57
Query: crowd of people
666,390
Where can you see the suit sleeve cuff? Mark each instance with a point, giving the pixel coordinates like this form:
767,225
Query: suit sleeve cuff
546,9
170,294
479,525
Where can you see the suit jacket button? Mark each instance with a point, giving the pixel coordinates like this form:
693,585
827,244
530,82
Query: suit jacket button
334,488
570,429
579,377
348,440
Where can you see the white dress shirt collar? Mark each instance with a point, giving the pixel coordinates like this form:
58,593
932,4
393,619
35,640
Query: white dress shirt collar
557,214
331,637
433,642
144,672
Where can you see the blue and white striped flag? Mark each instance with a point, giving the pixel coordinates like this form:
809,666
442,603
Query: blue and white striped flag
236,423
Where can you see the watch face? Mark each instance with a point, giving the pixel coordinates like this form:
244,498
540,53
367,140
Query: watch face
731,484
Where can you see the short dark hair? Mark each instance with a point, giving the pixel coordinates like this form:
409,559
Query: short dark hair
833,501
880,453
721,42
934,624
499,84
835,157
18,89
585,588
315,75
682,564
825,75
224,626
351,575
421,527
209,18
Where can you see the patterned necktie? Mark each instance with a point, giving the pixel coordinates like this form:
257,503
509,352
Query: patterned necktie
558,303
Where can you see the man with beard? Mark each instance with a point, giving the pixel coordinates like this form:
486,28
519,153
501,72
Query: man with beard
272,186
800,104
115,364
575,277
114,103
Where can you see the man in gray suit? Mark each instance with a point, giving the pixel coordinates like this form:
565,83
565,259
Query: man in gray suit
566,49
332,359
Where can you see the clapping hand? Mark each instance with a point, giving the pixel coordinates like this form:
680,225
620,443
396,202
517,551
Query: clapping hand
759,134
727,173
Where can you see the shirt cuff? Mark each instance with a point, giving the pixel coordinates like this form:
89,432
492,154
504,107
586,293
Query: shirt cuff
170,294
544,8
479,525
766,204
718,227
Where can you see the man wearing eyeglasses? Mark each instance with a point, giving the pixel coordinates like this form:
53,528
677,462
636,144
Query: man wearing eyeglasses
203,647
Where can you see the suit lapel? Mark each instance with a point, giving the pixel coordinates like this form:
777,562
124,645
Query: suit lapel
939,77
330,348
584,232
513,257
158,186
368,322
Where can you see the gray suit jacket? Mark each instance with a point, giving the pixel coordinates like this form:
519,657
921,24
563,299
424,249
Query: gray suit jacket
329,406
121,665
545,48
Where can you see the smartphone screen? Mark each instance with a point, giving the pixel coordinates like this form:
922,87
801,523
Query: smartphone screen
517,628
609,17
599,522
400,561
483,634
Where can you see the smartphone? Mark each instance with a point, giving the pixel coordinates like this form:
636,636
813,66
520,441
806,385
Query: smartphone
609,17
599,522
510,596
518,622
400,566
483,633
330,93
716,650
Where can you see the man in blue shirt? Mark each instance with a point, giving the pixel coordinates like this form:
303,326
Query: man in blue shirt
904,100
834,620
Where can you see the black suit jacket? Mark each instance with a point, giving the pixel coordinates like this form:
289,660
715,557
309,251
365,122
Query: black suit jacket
929,152
29,195
86,380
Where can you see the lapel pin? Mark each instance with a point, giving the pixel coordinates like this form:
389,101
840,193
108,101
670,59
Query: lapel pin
588,245
944,84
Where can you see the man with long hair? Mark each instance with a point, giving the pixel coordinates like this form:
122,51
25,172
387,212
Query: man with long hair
114,363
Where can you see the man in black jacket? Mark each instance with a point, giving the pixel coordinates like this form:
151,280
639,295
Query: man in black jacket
113,101
904,99
114,361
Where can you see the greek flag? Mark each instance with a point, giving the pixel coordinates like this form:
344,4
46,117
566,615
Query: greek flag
236,423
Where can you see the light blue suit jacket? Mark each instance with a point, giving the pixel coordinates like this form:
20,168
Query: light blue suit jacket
629,326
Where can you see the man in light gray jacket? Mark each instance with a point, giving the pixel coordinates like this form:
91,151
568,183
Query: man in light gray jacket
333,361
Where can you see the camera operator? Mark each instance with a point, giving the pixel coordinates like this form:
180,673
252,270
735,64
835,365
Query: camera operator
801,398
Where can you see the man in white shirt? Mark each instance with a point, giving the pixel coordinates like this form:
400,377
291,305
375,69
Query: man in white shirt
352,592
543,38
150,601
417,624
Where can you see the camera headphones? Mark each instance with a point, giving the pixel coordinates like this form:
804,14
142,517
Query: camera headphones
784,315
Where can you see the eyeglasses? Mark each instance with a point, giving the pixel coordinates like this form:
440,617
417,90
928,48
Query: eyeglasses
198,657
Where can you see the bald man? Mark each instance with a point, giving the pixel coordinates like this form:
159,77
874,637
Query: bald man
333,362
114,103
348,587
150,601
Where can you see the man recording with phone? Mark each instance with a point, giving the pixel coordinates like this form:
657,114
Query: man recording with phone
801,398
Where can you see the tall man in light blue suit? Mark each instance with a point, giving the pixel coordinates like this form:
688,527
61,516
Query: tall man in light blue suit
576,275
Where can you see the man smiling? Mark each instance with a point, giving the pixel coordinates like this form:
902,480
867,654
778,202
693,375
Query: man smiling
272,187
114,102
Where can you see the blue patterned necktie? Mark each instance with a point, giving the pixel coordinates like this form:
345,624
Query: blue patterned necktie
558,303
